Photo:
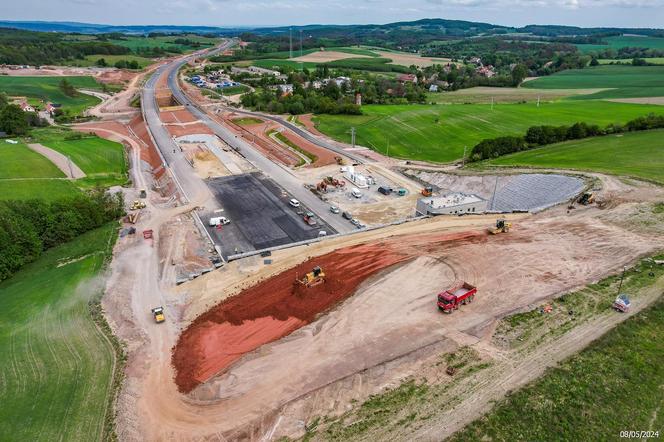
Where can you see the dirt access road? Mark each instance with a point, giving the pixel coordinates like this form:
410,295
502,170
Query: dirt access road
390,317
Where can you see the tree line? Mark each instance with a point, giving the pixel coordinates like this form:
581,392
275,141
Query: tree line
537,136
28,228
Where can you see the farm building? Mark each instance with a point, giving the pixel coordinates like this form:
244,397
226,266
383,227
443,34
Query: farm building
407,78
451,204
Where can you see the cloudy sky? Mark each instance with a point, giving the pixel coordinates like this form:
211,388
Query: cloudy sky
625,13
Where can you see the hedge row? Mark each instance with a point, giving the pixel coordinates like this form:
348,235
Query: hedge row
537,136
28,228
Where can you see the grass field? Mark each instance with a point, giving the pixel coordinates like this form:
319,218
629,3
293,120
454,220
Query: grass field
612,386
97,157
624,81
440,132
623,41
19,161
637,154
484,95
47,189
56,365
246,121
47,89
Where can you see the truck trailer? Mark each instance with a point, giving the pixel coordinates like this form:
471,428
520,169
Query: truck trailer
452,298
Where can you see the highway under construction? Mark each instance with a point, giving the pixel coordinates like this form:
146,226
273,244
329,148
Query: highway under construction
354,309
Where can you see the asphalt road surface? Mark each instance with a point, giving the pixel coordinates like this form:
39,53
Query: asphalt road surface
278,173
259,213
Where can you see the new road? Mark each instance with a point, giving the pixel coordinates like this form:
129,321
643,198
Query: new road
193,187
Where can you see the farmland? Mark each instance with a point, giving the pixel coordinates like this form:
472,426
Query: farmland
56,364
638,154
440,132
18,161
623,81
97,157
623,372
624,41
652,60
48,89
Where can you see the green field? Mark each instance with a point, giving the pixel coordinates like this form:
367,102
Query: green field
612,386
622,41
637,154
440,132
45,189
624,81
19,161
97,157
246,121
56,365
47,89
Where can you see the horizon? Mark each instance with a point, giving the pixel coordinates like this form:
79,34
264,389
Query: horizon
222,13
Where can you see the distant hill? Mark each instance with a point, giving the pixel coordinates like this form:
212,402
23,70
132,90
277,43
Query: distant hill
422,29
91,28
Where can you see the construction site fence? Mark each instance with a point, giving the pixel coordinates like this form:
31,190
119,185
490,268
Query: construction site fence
321,238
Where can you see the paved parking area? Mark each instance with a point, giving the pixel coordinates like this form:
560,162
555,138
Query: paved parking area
259,213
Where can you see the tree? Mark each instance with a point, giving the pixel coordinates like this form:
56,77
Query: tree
519,73
13,121
102,63
67,88
594,62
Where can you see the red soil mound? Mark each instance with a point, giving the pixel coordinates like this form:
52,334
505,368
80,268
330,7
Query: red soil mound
277,306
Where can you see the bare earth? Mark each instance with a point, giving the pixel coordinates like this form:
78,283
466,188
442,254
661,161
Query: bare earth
371,338
406,59
326,56
643,100
68,167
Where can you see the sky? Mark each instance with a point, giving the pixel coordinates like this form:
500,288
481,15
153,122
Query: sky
615,13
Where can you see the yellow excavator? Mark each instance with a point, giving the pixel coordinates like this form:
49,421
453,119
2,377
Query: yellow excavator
313,278
158,313
502,226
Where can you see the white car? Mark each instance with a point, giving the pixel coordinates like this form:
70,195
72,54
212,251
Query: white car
295,203
219,221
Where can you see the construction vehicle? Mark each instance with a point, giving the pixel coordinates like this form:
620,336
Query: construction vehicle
313,278
586,198
452,298
502,226
143,194
340,161
427,191
158,314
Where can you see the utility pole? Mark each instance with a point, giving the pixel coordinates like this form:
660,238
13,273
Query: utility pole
352,136
491,103
538,100
290,41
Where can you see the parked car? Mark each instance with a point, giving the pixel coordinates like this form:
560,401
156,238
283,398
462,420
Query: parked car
293,202
347,215
355,222
334,209
322,233
356,192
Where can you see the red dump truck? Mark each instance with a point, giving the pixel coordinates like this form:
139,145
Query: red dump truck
451,299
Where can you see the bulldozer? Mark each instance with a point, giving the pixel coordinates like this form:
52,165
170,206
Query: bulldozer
586,198
313,278
427,191
502,226
158,314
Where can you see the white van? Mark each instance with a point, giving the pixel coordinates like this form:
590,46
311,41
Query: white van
356,192
219,221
